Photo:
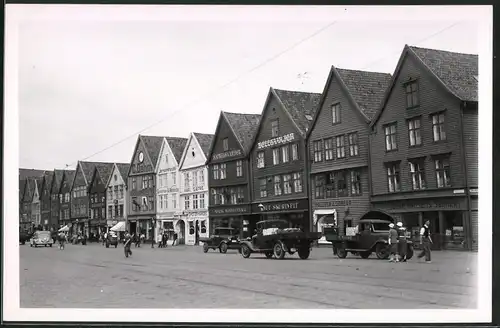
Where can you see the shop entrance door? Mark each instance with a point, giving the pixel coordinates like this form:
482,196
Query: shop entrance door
181,228
133,228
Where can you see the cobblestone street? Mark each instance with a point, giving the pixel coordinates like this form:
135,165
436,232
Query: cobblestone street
184,277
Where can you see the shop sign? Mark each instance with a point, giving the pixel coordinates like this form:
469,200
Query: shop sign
170,169
473,190
285,206
173,189
423,205
226,154
229,210
276,141
333,203
459,191
141,168
198,188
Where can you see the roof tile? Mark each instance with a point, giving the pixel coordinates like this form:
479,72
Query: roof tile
301,106
205,141
244,126
153,147
123,168
177,146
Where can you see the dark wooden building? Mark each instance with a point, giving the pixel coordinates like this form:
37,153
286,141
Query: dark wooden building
424,146
65,197
279,158
142,185
26,190
55,198
45,201
229,177
338,147
97,197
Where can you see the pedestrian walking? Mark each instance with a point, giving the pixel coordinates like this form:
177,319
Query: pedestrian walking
402,244
137,240
164,239
128,243
62,239
175,238
105,238
425,242
393,242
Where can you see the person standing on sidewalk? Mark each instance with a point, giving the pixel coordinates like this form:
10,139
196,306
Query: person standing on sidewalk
425,241
393,242
402,244
174,239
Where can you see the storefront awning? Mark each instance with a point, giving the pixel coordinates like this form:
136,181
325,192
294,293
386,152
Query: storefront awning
324,212
120,226
320,214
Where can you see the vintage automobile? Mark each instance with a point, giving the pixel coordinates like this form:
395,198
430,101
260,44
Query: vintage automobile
41,238
275,238
24,236
112,239
223,239
371,236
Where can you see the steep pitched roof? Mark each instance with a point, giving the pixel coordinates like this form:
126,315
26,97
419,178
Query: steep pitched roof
123,168
244,127
367,89
153,147
205,141
30,173
105,170
457,71
30,188
301,106
22,186
57,179
70,175
38,185
48,176
177,146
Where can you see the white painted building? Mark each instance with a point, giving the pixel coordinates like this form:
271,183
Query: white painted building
168,209
116,195
36,216
194,187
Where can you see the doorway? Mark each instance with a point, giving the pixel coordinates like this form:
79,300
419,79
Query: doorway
181,227
133,227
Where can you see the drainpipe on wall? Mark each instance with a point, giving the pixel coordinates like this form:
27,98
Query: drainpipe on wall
463,105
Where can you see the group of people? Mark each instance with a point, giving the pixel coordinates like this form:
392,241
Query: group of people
399,246
164,240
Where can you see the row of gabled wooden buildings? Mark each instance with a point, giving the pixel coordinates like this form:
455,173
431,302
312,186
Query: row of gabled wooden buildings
369,144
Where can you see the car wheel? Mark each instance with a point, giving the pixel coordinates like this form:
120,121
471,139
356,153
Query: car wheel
223,248
245,251
205,247
341,252
278,251
304,253
409,252
382,251
365,255
269,255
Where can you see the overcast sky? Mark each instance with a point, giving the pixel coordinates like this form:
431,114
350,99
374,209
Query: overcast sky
87,81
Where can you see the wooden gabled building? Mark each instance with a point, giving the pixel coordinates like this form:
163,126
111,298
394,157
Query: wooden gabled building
339,147
55,198
64,190
116,195
424,143
97,198
45,202
229,173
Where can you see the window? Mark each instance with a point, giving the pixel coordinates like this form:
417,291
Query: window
194,180
414,132
442,166
116,192
260,160
186,202
340,143
287,184
285,154
214,199
145,181
297,182
121,210
319,186
263,187
201,177
121,191
240,195
342,184
151,202
318,151
330,185
186,181
438,128
160,201
202,200
275,128
355,182
276,156
117,211
110,210
195,202
166,158
134,184
110,192
295,151
239,168
225,144
160,178
353,144
393,177
174,201
174,178
234,196
277,185
411,90
328,149
215,171
223,171
417,174
390,137
165,201
336,113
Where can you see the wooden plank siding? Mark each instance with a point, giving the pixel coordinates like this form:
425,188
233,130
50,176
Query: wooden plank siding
433,98
471,139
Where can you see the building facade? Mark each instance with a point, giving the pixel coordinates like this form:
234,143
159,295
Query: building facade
279,158
36,215
424,146
194,188
26,190
141,217
168,189
117,194
97,198
339,147
24,209
65,197
229,174
55,196
45,201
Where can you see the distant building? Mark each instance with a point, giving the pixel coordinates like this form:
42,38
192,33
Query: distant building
65,197
97,198
117,194
45,201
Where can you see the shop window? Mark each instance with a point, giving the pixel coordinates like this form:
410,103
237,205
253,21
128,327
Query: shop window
318,150
191,228
203,226
330,185
454,230
319,185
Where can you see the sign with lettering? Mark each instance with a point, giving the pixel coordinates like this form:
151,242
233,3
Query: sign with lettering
229,210
227,154
198,188
173,189
170,169
333,203
276,141
140,168
283,206
424,205
473,190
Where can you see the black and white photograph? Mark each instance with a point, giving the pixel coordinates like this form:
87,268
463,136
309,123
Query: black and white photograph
315,164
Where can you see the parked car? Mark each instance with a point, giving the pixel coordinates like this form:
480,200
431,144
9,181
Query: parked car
41,238
371,236
112,239
275,238
222,239
24,236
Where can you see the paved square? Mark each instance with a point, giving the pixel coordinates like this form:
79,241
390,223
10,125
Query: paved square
93,276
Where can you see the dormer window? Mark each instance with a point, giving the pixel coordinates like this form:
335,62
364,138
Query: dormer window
275,131
225,144
411,90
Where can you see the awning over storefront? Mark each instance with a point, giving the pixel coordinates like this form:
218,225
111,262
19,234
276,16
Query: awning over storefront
331,215
120,226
